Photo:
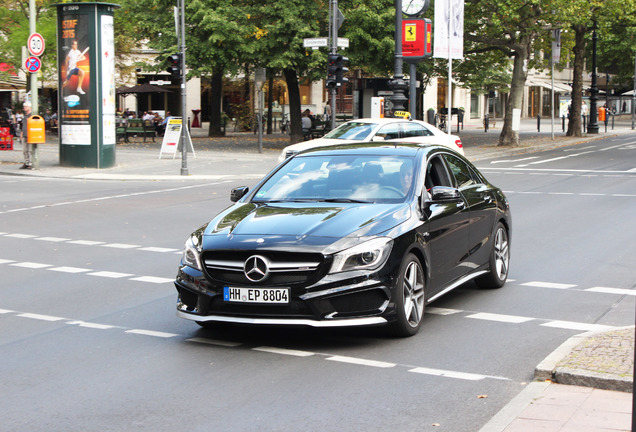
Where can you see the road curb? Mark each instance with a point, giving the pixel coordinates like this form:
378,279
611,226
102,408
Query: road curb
512,410
552,368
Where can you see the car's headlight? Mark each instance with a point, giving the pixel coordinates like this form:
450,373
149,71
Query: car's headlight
369,255
192,253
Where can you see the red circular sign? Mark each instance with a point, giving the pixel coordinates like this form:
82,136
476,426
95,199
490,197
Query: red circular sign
36,44
33,64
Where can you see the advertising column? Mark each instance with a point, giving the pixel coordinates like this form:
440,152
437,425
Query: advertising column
86,84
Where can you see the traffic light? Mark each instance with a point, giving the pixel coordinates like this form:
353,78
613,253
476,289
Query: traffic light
341,69
336,70
174,65
332,59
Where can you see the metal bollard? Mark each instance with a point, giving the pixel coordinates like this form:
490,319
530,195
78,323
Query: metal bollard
486,123
563,123
538,123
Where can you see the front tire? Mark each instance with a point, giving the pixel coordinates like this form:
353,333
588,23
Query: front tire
499,260
410,297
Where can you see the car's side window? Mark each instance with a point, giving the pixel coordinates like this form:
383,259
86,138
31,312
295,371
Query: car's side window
410,129
461,171
389,132
436,174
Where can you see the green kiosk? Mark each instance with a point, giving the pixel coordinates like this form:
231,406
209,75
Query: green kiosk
86,84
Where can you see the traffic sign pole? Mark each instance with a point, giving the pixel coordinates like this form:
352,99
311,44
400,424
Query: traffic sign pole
34,79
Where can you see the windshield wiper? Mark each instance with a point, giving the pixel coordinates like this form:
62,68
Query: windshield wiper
346,200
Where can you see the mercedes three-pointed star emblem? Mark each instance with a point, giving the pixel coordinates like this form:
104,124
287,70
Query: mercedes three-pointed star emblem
256,268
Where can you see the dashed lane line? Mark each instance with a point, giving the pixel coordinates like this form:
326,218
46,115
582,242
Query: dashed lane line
88,272
123,246
121,196
267,349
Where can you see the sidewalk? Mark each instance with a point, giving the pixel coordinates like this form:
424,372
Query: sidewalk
582,386
224,157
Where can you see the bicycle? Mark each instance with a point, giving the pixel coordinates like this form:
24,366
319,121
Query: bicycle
284,124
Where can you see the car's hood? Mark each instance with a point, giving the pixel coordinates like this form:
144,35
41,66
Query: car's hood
315,223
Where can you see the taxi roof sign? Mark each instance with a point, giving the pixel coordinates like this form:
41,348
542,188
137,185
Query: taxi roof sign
404,114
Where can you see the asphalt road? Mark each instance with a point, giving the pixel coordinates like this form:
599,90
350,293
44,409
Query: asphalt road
89,340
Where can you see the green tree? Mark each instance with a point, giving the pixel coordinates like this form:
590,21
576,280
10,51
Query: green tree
510,26
15,31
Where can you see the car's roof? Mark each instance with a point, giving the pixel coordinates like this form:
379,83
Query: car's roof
379,148
383,120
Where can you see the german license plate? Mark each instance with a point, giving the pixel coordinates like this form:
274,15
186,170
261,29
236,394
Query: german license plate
256,295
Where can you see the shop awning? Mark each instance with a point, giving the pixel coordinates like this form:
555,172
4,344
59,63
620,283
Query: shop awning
558,87
12,84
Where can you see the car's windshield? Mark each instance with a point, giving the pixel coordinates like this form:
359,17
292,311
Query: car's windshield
340,179
353,130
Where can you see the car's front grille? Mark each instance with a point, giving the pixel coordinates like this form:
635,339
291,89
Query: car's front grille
283,268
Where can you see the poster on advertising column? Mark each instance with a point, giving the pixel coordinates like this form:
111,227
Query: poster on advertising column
108,80
75,79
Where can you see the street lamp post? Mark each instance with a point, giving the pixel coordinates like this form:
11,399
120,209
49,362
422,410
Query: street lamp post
397,84
592,126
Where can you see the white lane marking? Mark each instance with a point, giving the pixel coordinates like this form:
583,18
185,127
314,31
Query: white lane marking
131,195
514,160
6,311
553,170
120,246
95,243
359,361
284,351
86,242
214,342
440,311
548,285
151,333
31,265
570,325
91,325
158,249
454,374
6,261
52,239
152,279
40,317
69,269
500,318
109,274
608,290
561,158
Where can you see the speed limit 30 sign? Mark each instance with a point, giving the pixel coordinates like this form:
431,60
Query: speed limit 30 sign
36,44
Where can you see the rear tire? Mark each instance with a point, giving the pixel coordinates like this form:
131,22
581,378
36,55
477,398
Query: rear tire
499,260
410,297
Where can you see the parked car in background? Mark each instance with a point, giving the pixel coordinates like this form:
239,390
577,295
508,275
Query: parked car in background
380,129
348,235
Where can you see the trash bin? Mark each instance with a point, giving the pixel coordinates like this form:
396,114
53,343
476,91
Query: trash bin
430,116
35,130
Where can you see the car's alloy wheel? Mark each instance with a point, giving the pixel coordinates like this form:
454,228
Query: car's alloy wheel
499,260
410,297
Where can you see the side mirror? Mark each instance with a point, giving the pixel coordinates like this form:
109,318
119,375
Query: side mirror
444,193
238,193
377,138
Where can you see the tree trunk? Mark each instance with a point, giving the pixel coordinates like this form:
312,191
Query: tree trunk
294,106
574,123
216,96
509,137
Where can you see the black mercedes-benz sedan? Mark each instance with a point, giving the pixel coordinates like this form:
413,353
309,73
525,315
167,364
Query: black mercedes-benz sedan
351,235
